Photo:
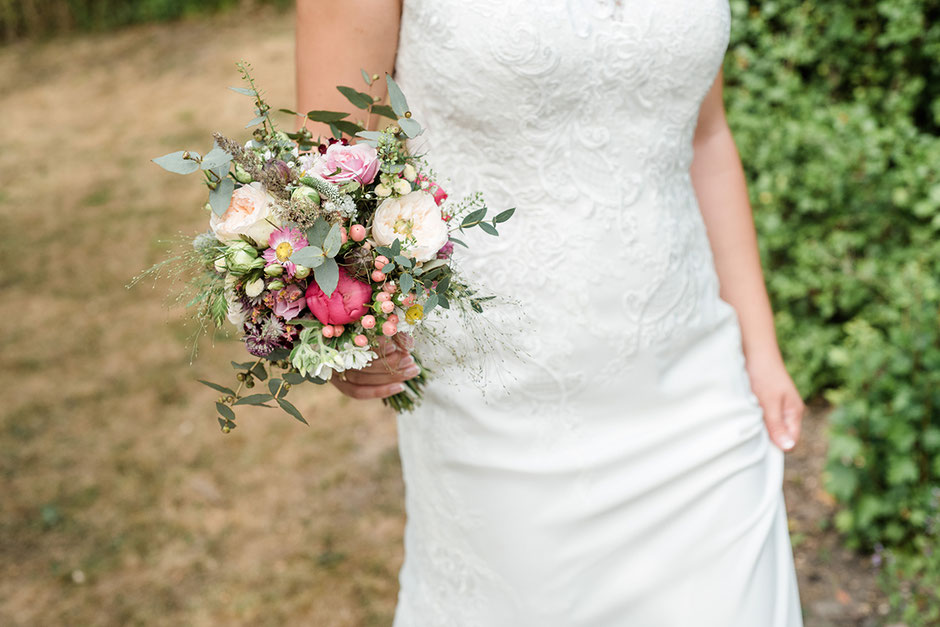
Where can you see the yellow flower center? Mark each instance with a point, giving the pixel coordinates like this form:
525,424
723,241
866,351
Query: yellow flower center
403,227
283,251
414,313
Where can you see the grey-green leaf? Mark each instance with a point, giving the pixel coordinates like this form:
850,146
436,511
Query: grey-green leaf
473,216
174,162
431,303
255,399
505,215
243,91
411,128
225,411
327,276
221,196
290,409
316,234
488,228
385,111
216,158
357,98
310,256
258,120
366,77
396,97
406,282
459,241
217,387
326,116
332,241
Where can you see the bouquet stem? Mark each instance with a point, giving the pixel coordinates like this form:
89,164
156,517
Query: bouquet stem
411,396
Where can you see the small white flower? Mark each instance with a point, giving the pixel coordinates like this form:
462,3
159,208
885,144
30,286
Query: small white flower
402,187
409,172
383,191
254,288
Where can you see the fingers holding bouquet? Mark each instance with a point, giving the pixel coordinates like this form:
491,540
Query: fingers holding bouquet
386,375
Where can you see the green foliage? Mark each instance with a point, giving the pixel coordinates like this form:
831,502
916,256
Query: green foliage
32,18
836,111
911,581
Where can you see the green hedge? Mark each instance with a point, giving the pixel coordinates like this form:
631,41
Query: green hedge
34,18
836,110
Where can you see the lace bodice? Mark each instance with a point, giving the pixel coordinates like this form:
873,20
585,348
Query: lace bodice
580,113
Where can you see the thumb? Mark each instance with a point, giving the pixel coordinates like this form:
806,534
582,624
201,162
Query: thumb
773,418
793,415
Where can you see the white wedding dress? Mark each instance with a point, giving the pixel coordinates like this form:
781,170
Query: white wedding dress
611,468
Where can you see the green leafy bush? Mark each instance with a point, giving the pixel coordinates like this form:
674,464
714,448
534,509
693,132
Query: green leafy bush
836,111
912,582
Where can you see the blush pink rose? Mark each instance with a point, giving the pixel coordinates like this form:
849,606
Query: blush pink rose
349,302
342,163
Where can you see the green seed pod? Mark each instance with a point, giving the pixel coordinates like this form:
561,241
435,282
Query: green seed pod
276,285
274,270
304,194
301,272
241,175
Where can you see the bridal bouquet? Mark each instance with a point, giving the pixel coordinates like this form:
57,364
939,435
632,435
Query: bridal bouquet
316,249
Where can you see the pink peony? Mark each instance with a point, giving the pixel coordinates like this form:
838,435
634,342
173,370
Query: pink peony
349,302
341,163
287,302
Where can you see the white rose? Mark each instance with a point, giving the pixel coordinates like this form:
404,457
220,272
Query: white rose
415,220
250,213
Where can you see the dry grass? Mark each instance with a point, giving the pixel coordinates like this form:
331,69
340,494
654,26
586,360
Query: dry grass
122,504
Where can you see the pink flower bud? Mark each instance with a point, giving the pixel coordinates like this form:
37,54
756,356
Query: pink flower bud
383,296
380,262
343,237
338,330
368,321
327,331
387,307
389,328
378,276
390,287
393,318
357,232
361,341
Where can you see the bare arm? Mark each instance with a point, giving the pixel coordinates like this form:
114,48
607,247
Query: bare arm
722,194
335,39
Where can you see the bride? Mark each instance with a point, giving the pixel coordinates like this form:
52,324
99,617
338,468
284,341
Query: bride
628,471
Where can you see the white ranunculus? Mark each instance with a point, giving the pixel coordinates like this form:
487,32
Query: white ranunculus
250,213
415,220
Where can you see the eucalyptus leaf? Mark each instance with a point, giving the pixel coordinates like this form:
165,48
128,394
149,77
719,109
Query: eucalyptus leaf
332,241
434,263
443,302
258,120
274,385
316,234
290,409
176,163
385,111
327,276
459,241
505,215
403,261
488,228
410,126
350,128
225,411
357,98
309,256
221,196
255,399
405,283
294,378
259,371
338,134
387,268
326,116
288,111
366,77
216,158
442,285
244,91
473,216
217,387
430,303
371,135
396,247
396,97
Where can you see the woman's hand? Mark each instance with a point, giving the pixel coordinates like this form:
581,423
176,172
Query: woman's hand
384,376
778,396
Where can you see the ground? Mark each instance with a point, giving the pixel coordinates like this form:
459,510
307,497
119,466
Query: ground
122,502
